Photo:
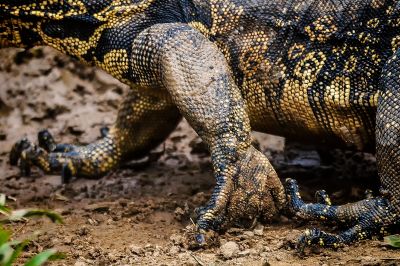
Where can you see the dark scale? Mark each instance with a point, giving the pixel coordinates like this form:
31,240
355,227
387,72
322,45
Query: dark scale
325,72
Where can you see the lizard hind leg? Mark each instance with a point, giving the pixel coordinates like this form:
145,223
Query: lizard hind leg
364,219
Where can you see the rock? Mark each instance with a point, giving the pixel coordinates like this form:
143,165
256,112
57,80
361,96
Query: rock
179,213
265,254
246,235
259,230
174,250
249,234
136,250
68,240
244,253
253,251
229,249
83,231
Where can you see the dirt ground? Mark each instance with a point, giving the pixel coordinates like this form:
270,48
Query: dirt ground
137,215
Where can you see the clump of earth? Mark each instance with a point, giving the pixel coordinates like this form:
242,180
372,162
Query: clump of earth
139,213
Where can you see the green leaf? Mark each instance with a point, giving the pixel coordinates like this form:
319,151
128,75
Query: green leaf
41,258
19,214
393,241
4,236
4,210
6,252
19,247
2,200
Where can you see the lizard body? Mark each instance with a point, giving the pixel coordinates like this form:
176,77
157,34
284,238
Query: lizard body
318,71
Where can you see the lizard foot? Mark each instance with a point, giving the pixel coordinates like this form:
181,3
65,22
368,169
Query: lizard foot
91,160
366,218
247,190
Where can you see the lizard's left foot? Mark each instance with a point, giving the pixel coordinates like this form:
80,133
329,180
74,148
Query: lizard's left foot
246,191
92,160
365,218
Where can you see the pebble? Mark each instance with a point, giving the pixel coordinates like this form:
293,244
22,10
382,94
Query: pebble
265,254
244,253
68,240
174,250
136,250
248,234
229,249
259,230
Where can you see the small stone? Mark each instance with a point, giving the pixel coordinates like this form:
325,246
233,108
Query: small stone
92,221
174,250
244,253
149,247
229,249
278,258
68,240
179,213
83,231
249,234
136,250
253,251
265,254
259,230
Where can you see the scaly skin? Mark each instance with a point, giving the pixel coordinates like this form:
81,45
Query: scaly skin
318,71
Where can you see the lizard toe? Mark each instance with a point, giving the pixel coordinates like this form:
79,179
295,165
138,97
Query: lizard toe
253,192
364,219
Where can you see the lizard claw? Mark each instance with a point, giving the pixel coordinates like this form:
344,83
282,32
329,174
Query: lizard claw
251,191
69,160
365,218
17,150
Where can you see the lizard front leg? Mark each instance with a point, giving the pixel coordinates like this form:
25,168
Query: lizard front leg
144,120
200,82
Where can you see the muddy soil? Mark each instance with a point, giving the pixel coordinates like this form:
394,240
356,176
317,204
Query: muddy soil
137,215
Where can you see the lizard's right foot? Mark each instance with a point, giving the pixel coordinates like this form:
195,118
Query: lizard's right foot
91,160
246,191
